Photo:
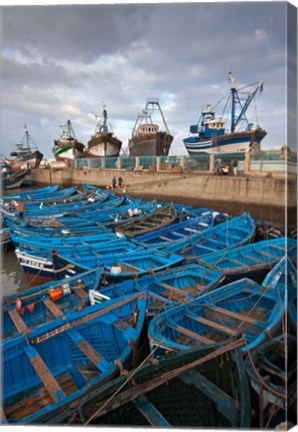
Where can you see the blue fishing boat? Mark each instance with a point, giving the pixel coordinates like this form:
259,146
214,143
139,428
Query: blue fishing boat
121,266
55,229
253,260
241,308
158,218
166,236
46,302
91,188
49,369
37,264
164,289
40,241
210,135
51,209
127,213
227,235
34,193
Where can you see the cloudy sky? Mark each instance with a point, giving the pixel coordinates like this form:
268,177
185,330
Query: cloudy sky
65,61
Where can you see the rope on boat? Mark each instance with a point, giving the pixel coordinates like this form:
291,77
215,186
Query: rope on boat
67,267
130,377
138,390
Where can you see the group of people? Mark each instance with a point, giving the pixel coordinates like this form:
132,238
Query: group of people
219,165
114,182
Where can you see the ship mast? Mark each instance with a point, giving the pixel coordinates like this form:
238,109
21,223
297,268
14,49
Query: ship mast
155,106
235,120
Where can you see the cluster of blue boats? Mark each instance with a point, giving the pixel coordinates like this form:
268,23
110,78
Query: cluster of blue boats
145,313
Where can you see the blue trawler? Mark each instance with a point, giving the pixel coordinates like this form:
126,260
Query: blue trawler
209,135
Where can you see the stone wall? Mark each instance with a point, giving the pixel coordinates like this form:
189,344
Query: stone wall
264,197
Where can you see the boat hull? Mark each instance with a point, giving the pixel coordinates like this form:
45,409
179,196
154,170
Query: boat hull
14,180
157,144
29,160
68,151
239,142
104,145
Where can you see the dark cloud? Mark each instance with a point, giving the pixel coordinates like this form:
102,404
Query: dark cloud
60,61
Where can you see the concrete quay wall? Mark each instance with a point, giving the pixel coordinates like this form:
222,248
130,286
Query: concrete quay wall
265,197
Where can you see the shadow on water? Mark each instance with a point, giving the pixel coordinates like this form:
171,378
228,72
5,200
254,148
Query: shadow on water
12,275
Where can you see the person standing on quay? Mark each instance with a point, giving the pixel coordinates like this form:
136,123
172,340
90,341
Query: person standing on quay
234,164
120,182
114,182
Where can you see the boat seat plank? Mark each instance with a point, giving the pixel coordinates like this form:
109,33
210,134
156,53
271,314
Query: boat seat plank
53,308
225,403
85,346
277,247
191,334
214,325
143,224
81,292
126,265
165,238
255,259
268,254
192,230
171,288
232,260
231,314
151,414
176,233
44,374
18,321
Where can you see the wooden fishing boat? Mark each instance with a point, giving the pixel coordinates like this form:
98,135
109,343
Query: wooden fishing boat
37,263
55,229
239,308
204,388
103,143
161,217
253,260
147,139
234,232
129,214
165,236
33,193
45,302
121,266
51,242
14,179
27,154
272,371
91,188
67,147
51,209
164,289
48,369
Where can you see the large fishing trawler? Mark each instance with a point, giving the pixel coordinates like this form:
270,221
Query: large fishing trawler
67,146
209,135
147,139
103,142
